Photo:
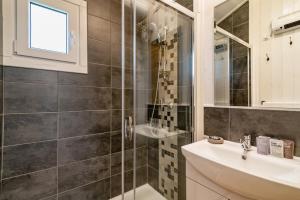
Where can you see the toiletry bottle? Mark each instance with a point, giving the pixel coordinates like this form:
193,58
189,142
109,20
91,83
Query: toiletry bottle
289,147
276,148
263,145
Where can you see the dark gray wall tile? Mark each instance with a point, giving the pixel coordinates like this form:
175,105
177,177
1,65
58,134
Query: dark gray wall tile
94,191
144,80
280,124
153,156
98,76
115,33
99,8
141,156
1,72
99,52
115,11
0,165
141,116
143,98
242,31
216,122
241,15
1,97
116,73
153,178
128,58
227,24
141,140
240,65
239,97
116,161
17,74
116,183
116,141
84,172
84,98
83,123
186,3
27,158
50,198
238,50
1,132
117,99
184,119
152,142
116,55
141,176
32,186
239,81
98,28
116,123
28,128
28,98
81,148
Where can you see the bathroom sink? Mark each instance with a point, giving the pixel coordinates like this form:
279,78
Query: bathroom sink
154,132
258,177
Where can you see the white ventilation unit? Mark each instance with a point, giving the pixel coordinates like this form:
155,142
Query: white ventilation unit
286,23
219,48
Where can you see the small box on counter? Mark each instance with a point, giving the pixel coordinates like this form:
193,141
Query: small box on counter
263,145
289,147
277,148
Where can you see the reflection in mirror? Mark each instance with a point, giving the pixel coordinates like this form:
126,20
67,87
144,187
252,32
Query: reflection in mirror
222,82
186,3
232,54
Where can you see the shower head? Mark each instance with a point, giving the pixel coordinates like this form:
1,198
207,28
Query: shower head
154,29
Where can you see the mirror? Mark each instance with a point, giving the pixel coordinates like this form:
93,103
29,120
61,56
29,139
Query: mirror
256,53
231,54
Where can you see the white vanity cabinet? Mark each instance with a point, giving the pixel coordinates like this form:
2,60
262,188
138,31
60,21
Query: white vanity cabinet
200,188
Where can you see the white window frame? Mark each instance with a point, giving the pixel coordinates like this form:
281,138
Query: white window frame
16,49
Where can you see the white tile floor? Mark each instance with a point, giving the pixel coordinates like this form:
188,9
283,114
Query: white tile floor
144,192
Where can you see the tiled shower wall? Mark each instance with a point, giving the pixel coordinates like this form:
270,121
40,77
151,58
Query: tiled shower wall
238,24
233,123
166,164
61,131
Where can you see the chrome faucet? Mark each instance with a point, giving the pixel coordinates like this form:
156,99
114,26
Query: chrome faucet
246,145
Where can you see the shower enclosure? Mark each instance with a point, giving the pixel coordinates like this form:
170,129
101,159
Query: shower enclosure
157,98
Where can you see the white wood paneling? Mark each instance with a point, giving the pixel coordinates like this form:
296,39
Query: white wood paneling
279,81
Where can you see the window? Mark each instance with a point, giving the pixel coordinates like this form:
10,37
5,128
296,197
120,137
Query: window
43,21
46,34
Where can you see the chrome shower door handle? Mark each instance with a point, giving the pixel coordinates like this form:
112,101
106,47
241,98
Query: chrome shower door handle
129,128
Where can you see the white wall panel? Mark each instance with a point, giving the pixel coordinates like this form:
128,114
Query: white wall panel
279,79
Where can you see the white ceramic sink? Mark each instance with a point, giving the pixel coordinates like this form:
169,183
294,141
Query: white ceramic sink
153,132
259,177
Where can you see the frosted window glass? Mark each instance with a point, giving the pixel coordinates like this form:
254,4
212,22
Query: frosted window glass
48,29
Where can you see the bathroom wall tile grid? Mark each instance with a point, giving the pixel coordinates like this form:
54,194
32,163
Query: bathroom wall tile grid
58,131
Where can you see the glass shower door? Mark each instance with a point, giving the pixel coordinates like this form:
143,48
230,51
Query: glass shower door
157,77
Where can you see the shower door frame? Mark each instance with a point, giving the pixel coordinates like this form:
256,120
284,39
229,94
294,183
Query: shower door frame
173,4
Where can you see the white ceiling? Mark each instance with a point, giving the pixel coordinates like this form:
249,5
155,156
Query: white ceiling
226,7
